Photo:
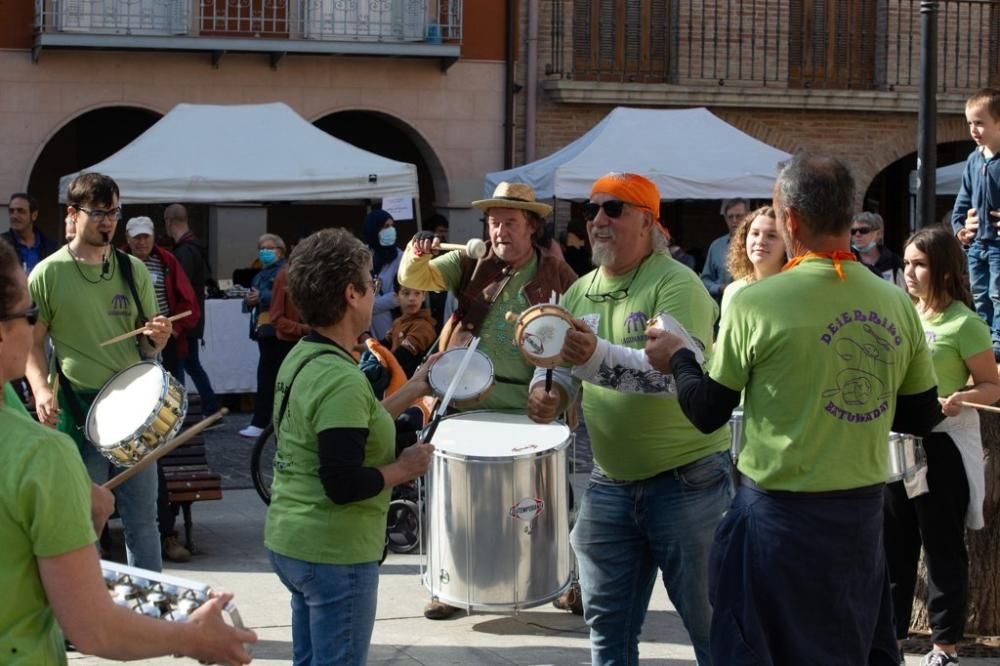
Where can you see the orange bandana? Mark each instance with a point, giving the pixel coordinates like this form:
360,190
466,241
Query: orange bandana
630,188
836,257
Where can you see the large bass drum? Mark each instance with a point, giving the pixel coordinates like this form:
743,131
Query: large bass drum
498,512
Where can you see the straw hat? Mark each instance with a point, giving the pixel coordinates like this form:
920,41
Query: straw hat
514,195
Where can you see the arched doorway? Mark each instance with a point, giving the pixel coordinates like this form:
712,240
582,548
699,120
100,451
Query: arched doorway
889,192
87,139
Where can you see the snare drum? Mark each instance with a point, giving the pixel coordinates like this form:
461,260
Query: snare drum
498,512
906,455
139,409
476,382
540,332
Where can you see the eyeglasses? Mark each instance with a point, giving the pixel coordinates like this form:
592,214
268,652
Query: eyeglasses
617,294
31,314
376,284
613,208
860,231
99,215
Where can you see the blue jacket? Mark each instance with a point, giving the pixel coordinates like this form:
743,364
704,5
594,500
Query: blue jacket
980,190
46,245
263,282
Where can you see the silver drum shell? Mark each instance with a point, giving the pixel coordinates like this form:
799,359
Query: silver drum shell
480,556
906,453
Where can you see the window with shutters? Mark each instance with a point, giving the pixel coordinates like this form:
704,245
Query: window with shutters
833,43
622,40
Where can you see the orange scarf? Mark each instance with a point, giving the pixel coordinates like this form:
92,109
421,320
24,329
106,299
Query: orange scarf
836,257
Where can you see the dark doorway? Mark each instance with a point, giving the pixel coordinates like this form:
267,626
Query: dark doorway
889,193
86,140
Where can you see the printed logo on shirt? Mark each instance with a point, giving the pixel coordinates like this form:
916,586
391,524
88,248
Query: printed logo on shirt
864,344
931,338
635,328
119,306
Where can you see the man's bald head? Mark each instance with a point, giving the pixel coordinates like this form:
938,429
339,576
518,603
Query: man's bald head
175,218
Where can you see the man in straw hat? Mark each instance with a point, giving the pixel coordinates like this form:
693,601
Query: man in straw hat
659,486
516,273
828,357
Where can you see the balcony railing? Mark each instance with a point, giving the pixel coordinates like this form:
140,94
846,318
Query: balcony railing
819,44
378,21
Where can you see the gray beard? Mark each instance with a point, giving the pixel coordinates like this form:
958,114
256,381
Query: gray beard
602,255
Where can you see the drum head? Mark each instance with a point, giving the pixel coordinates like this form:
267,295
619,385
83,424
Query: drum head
125,402
543,336
497,435
476,380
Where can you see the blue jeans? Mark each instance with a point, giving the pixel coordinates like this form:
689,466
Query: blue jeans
135,501
984,279
625,531
333,610
192,364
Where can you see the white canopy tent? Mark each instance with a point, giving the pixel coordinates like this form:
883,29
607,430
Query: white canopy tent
247,153
688,153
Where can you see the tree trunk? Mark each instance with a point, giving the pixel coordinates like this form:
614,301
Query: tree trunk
984,550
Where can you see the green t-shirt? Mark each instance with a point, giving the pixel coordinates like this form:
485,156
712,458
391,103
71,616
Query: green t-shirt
13,400
82,311
513,372
822,360
302,522
44,512
953,336
727,295
636,436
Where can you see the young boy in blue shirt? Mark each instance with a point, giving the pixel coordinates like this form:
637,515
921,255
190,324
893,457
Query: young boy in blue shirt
976,215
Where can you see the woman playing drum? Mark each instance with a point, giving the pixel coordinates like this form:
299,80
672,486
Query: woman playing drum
336,460
49,566
960,344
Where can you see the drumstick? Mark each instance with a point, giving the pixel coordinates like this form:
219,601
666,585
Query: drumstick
443,407
554,300
54,378
132,334
976,405
475,248
164,449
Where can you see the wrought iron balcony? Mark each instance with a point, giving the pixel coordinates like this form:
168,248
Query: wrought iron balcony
430,28
860,45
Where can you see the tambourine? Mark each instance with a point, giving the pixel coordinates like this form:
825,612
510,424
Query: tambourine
540,332
475,384
665,322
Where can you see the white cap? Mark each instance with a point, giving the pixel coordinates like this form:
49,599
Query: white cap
138,226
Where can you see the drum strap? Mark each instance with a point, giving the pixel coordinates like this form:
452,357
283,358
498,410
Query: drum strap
126,267
288,391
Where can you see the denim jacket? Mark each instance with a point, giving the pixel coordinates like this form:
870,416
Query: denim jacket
980,190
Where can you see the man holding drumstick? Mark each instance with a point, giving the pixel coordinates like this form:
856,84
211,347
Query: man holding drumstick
84,297
659,487
829,356
515,273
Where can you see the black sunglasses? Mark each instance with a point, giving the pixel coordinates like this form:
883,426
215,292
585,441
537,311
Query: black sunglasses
617,294
31,314
613,208
860,231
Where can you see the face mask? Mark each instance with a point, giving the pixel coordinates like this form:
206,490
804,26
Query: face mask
267,257
387,237
863,248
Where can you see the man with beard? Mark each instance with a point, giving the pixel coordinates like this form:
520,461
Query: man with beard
86,294
515,274
659,486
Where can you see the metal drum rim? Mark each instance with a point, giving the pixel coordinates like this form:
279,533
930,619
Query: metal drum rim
445,455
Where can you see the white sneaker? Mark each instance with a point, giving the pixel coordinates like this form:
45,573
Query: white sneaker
251,431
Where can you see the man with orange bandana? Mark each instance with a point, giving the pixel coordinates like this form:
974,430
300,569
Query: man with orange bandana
659,486
829,357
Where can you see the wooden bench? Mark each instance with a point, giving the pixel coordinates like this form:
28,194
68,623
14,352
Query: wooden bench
189,478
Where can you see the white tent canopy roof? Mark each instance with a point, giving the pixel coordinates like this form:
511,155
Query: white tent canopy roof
688,153
254,152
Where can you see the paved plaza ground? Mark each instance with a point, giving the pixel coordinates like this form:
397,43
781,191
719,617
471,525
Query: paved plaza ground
230,554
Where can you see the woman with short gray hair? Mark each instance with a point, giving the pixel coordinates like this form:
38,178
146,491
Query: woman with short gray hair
868,243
